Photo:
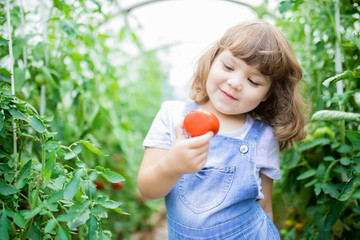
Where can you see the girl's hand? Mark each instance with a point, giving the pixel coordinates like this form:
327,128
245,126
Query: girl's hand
187,155
161,169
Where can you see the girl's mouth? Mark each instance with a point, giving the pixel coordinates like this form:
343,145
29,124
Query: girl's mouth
227,95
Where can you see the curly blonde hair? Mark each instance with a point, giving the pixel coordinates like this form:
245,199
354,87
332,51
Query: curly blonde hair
260,43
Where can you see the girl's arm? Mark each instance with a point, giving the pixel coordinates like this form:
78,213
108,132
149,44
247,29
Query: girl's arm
266,203
161,169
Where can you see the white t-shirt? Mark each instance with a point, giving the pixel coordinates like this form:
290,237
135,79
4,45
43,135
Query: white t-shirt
162,135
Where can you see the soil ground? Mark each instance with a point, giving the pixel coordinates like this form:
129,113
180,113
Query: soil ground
158,232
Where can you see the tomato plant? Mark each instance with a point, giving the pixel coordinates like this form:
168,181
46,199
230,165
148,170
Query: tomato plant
86,79
321,175
199,122
50,191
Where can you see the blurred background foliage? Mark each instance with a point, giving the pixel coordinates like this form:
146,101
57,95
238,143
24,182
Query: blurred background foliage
95,82
317,197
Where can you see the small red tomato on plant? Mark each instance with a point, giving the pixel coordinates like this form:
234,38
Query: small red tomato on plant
199,122
117,185
99,185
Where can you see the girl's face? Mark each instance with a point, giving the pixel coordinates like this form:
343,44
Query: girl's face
233,87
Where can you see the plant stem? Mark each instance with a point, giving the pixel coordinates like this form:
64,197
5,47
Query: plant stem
12,72
338,67
22,18
46,57
43,156
10,47
338,62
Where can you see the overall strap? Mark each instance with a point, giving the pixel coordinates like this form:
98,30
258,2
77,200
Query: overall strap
256,131
189,107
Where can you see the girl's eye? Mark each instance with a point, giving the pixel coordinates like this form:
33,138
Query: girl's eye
253,83
227,67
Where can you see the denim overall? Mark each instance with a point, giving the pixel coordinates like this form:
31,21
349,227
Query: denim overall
219,202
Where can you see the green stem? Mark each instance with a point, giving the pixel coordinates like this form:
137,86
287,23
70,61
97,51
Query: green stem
326,179
338,62
11,56
43,156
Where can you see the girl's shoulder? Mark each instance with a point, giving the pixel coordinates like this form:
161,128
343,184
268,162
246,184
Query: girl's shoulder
173,111
268,132
173,104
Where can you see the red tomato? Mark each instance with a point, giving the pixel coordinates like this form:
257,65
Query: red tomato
99,185
117,185
199,122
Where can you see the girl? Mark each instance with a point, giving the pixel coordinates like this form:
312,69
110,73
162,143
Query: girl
220,187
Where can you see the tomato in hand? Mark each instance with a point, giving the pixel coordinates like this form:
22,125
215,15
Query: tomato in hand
199,122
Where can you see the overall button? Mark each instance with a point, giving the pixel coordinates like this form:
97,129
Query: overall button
244,149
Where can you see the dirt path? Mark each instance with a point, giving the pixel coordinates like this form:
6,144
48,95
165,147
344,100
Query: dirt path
159,232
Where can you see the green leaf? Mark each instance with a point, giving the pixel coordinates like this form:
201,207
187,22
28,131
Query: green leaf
112,176
312,182
46,177
118,210
345,161
92,148
51,145
317,142
50,160
333,215
1,120
19,220
107,203
73,186
19,76
92,227
104,236
80,219
317,188
23,175
345,149
34,233
34,212
3,41
63,233
332,115
354,137
5,75
320,172
47,72
69,155
80,164
37,124
337,77
4,226
77,149
356,41
67,217
68,28
27,229
307,174
330,188
93,175
51,224
285,5
18,115
349,188
99,169
5,167
6,189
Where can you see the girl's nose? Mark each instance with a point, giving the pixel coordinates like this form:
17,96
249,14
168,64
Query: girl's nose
234,83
